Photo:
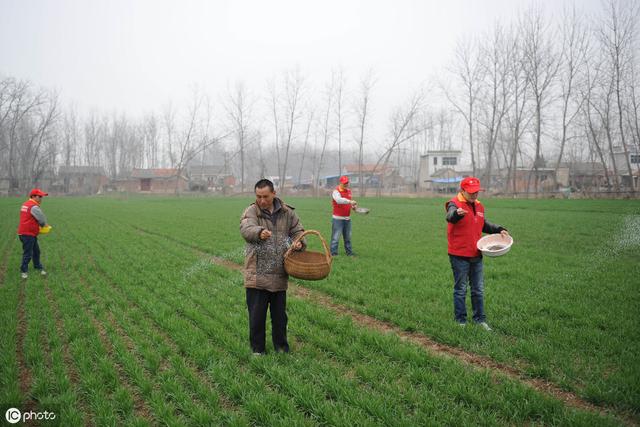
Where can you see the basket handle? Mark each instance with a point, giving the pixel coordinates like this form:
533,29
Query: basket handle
300,237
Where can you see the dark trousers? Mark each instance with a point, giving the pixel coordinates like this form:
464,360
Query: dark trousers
257,302
30,250
467,270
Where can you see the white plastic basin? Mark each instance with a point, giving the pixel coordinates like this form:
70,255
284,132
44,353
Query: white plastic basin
494,245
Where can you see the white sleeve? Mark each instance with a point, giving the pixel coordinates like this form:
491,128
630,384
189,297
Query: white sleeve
339,199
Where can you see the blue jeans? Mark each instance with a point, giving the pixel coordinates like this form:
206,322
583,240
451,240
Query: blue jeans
465,270
30,249
338,227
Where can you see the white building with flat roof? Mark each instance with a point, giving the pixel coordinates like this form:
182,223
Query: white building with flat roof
440,170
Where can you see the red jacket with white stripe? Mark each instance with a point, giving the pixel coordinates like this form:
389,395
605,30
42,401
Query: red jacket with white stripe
342,209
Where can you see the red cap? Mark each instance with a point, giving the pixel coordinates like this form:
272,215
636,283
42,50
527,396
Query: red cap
344,179
471,184
37,192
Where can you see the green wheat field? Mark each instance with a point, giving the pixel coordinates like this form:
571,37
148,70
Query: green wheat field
142,319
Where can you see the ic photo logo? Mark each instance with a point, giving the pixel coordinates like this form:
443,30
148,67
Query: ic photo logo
13,415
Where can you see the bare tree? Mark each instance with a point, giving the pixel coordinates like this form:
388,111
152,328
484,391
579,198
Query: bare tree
292,97
70,137
261,158
94,136
617,33
633,112
339,112
574,50
598,94
273,105
324,129
467,71
41,160
196,135
444,127
495,92
169,125
6,100
541,68
150,134
404,126
23,108
306,143
239,112
517,119
362,111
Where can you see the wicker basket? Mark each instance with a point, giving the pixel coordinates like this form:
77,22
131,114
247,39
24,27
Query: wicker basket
308,265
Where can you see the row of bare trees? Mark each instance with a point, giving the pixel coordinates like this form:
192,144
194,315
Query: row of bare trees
563,89
535,89
27,119
36,136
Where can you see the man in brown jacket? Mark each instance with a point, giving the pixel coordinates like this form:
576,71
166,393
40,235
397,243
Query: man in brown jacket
268,226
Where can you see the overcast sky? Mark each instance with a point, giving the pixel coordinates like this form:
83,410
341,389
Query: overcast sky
134,55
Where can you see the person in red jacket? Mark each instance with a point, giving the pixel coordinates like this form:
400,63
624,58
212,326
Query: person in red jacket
341,219
31,219
465,224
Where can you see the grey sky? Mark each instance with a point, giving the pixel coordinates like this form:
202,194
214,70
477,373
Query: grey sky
135,55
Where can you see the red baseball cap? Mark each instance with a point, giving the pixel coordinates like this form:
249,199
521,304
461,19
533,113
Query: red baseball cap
344,179
471,184
37,192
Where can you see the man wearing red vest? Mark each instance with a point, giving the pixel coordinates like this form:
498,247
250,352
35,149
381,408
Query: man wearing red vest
31,219
465,224
341,222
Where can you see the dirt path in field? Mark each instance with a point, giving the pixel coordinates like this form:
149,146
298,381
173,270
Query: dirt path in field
432,346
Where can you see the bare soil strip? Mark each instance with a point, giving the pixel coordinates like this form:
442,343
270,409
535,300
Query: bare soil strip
434,347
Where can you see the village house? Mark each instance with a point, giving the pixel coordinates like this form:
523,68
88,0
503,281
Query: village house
153,181
633,157
371,175
82,180
440,171
209,177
